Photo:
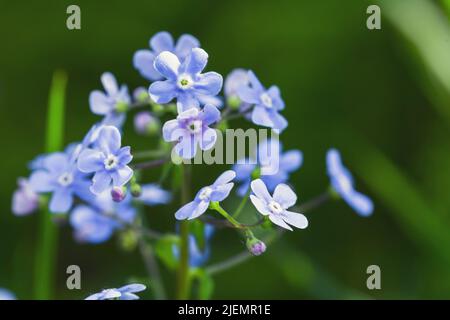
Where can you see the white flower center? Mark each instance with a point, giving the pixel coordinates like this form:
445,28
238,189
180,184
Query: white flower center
185,81
65,179
195,126
110,162
275,207
266,100
206,193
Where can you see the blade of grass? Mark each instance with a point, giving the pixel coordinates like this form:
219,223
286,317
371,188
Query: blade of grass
47,246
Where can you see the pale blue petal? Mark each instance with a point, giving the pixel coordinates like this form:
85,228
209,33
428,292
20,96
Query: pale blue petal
187,147
248,95
185,44
195,62
42,181
362,204
162,91
109,83
279,222
208,139
260,190
124,156
162,41
208,83
132,288
295,219
236,79
122,176
201,208
260,205
256,84
109,140
143,61
100,182
61,200
167,64
210,114
90,160
100,103
225,177
186,211
284,195
221,192
291,160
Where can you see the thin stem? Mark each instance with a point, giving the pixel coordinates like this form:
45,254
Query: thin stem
151,164
216,206
227,224
183,270
152,269
149,154
315,202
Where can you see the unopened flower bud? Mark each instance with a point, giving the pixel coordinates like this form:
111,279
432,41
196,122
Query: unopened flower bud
121,106
145,123
234,102
117,194
141,95
136,190
256,246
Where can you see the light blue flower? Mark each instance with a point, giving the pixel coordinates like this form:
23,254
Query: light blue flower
236,79
191,128
198,256
96,223
184,80
162,41
267,103
276,207
25,199
6,295
152,194
342,182
60,176
123,293
108,161
218,191
274,165
112,102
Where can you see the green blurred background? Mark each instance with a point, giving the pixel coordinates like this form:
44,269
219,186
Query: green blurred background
382,97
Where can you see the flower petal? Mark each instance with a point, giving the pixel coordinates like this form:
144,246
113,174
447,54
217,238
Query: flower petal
162,91
256,84
124,156
100,182
169,129
221,192
208,139
90,160
260,190
185,44
210,114
259,205
187,147
284,195
195,62
61,200
109,140
186,101
109,83
143,61
279,222
291,160
200,209
209,83
134,287
295,219
186,211
167,64
161,41
121,176
100,103
248,95
225,177
41,181
361,203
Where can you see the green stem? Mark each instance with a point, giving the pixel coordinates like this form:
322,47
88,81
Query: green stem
216,206
183,285
46,251
152,269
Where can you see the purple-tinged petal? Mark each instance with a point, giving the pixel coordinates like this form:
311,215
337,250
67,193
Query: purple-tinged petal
162,41
186,211
100,182
279,222
284,195
61,200
256,84
259,205
209,83
122,176
162,91
275,95
124,156
109,83
295,219
167,64
143,61
236,79
260,190
225,177
25,200
169,129
185,44
187,147
41,181
100,103
196,61
208,139
210,114
109,140
90,160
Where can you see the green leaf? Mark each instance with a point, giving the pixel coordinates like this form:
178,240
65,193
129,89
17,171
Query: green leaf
205,283
164,250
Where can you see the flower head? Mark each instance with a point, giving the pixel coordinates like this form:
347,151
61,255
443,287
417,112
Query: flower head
342,183
123,293
273,164
162,41
256,246
184,80
96,223
191,128
275,207
111,102
267,103
216,192
236,79
152,194
60,176
108,161
25,199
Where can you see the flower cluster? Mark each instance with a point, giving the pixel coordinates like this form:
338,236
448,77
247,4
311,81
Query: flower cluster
98,182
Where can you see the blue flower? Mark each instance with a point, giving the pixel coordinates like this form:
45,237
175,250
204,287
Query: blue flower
274,165
162,41
236,79
112,102
108,161
218,191
267,103
185,82
191,128
152,194
6,295
197,256
342,183
96,223
276,207
60,176
123,293
25,199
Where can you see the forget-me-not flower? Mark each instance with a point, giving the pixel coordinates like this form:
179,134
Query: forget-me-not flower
123,293
218,191
96,223
152,194
109,161
184,80
234,80
198,256
60,176
274,165
342,182
275,207
25,199
162,41
112,102
191,128
267,103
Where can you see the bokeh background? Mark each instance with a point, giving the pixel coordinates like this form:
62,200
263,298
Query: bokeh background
382,97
